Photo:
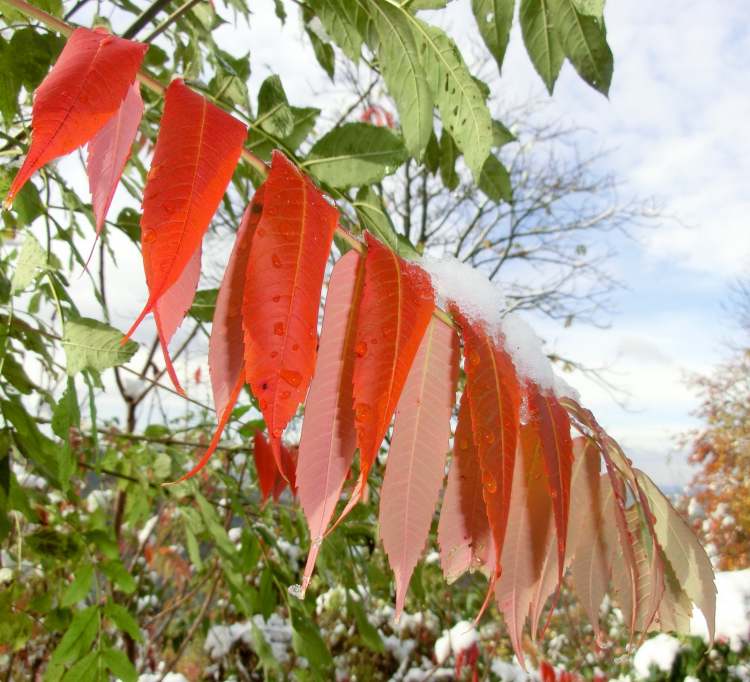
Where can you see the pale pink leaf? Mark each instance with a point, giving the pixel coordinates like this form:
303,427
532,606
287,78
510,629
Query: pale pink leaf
416,458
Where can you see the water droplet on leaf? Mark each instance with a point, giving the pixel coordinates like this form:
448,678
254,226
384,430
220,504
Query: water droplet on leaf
278,329
291,377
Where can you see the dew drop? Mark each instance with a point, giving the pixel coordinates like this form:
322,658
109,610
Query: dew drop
318,541
274,353
296,591
107,40
149,236
285,395
362,412
489,438
490,485
295,346
276,299
361,349
276,261
278,329
474,357
291,377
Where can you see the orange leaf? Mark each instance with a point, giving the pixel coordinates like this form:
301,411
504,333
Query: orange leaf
328,437
109,151
196,153
84,89
416,458
464,530
285,272
397,305
495,405
225,347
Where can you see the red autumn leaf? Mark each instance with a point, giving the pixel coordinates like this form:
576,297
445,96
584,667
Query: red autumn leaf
84,89
550,419
170,309
285,272
495,405
196,153
109,151
529,524
328,438
397,304
226,363
265,466
416,458
463,530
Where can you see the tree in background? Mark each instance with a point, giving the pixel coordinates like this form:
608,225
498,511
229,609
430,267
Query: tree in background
721,450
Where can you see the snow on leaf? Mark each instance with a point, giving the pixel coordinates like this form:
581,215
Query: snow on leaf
84,89
280,304
109,151
397,305
416,458
328,438
196,153
464,530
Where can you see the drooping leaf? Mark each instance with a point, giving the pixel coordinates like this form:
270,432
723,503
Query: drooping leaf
404,74
526,535
345,21
464,533
495,180
494,19
551,421
171,308
226,361
541,40
495,406
284,278
90,344
416,458
584,41
688,560
458,97
274,113
271,480
80,94
31,258
397,304
196,152
328,437
109,151
355,154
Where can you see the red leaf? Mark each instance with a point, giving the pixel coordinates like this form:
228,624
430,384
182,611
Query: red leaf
109,151
529,524
225,347
84,89
416,458
196,153
328,437
553,426
495,405
171,308
397,305
270,479
282,293
463,530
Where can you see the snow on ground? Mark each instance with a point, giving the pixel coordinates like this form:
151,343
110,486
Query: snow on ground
732,609
659,652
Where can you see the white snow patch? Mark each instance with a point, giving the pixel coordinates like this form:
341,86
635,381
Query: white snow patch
147,529
508,672
156,677
461,637
443,648
482,301
732,609
659,651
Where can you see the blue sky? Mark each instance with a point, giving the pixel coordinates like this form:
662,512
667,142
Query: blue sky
676,123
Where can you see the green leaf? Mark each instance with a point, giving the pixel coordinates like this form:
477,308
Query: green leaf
404,75
355,154
119,665
264,652
274,114
323,53
214,527
370,636
31,258
541,40
66,413
344,22
373,217
78,637
90,344
32,443
119,576
459,99
594,8
85,670
307,641
431,158
494,19
448,157
204,305
123,619
495,180
501,135
79,588
584,40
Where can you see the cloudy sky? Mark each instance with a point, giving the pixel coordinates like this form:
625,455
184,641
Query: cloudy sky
676,122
